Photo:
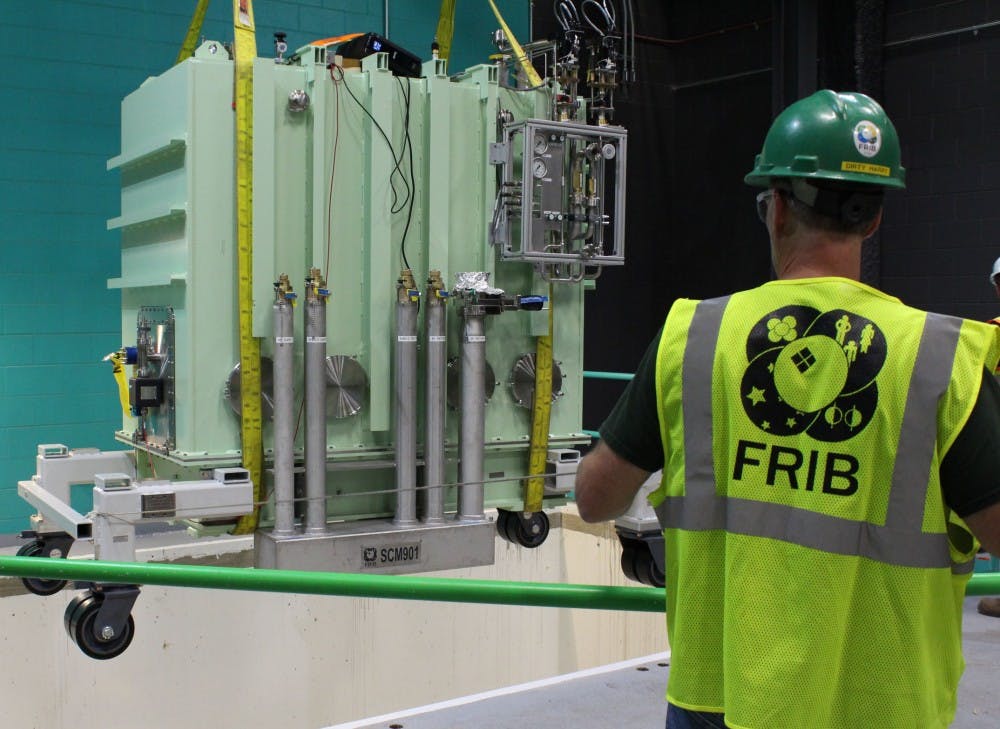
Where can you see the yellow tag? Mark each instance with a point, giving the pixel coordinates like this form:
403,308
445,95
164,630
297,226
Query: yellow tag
868,169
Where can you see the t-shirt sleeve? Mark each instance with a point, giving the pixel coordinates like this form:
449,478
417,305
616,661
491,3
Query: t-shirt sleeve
632,429
970,471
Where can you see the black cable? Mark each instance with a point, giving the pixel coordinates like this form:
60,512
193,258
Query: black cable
407,144
392,150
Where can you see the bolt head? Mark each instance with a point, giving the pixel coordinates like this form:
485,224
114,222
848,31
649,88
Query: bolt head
107,632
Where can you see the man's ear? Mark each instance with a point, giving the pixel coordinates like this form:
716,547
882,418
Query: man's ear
779,213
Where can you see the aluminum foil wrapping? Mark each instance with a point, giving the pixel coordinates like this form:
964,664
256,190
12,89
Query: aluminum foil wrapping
478,281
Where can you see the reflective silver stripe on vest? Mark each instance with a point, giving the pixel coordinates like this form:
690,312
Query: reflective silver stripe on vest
899,542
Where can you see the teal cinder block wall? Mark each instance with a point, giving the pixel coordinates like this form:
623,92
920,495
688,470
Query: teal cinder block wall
67,65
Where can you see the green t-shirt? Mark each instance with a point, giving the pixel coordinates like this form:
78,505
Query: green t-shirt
968,472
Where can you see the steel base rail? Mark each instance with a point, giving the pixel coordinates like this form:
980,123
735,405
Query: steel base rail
539,594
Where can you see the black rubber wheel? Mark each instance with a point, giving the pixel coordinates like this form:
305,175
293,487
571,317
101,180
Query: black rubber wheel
503,517
530,532
80,617
37,585
649,573
628,562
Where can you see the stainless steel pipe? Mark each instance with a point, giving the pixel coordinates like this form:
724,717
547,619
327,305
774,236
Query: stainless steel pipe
473,417
436,347
405,411
284,409
315,402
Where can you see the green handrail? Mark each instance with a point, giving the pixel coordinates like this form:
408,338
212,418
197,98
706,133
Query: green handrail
596,375
538,594
641,599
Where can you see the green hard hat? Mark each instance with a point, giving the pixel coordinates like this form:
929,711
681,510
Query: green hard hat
839,137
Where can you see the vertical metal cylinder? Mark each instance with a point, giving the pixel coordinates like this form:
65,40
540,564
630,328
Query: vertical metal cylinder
284,409
405,412
473,420
436,348
315,403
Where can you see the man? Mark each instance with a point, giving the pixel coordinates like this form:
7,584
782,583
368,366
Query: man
828,456
991,605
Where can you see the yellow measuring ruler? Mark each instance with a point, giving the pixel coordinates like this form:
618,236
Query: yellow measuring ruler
541,410
250,424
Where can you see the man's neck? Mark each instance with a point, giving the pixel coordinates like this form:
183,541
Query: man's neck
818,255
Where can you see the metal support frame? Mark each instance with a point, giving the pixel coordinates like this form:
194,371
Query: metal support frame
120,504
556,184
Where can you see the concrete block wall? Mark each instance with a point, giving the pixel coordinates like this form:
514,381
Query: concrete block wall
67,65
941,237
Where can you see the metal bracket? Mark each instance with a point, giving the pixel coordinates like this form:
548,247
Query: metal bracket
115,608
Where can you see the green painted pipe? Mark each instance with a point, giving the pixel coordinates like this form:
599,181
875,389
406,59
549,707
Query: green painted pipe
595,375
641,599
539,594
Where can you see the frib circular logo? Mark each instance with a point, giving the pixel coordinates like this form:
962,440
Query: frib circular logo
812,372
867,138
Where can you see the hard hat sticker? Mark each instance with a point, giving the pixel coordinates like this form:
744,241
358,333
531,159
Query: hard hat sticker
812,372
865,167
867,138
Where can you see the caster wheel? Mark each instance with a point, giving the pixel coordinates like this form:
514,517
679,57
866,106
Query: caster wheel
648,572
628,563
503,517
36,585
530,532
80,619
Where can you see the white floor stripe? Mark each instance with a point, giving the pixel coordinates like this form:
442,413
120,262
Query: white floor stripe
531,685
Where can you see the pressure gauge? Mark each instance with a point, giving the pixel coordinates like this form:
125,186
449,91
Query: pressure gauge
540,144
608,150
538,169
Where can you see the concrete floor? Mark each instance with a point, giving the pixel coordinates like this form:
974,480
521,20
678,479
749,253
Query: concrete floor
631,694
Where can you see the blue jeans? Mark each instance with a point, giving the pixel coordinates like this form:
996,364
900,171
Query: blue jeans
678,718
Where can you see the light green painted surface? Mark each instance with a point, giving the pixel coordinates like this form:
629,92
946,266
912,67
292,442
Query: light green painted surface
191,257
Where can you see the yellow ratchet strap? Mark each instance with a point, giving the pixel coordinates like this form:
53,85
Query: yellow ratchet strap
194,30
117,360
445,28
541,410
522,58
250,423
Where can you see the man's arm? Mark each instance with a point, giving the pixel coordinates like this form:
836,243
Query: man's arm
985,525
606,484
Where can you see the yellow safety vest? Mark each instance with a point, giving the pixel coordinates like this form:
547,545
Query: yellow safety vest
811,580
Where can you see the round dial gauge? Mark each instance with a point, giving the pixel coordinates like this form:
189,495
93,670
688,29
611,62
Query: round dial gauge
538,169
540,144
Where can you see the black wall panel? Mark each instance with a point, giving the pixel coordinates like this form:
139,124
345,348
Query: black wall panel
942,90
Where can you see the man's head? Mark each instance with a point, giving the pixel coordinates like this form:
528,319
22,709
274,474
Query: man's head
995,276
826,162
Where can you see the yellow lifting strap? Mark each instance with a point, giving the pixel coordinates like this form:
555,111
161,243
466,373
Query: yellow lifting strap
520,56
446,28
117,360
541,410
245,51
194,30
